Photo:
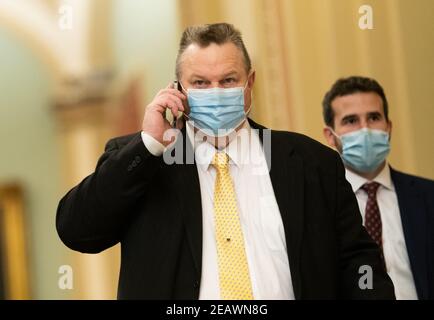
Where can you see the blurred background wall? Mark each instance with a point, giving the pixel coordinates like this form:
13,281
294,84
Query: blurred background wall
65,91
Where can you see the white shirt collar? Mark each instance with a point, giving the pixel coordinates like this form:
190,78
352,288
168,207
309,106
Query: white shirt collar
383,178
237,149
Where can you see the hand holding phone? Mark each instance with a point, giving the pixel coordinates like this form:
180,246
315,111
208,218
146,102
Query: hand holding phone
155,122
175,86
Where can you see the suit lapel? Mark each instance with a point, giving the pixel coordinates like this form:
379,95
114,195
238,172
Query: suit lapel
414,224
287,179
189,198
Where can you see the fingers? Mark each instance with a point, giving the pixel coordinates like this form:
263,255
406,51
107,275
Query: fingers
173,108
174,92
170,89
169,102
168,98
179,124
177,101
173,95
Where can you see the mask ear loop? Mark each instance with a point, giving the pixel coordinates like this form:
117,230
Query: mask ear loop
245,86
182,87
244,89
247,82
248,110
185,92
334,133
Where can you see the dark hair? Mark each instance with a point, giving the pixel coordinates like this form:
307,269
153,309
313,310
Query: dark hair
204,35
347,86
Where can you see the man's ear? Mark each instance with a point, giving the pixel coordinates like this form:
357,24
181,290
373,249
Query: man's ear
329,136
389,123
252,79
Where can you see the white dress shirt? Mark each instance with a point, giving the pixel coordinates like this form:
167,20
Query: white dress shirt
260,218
394,248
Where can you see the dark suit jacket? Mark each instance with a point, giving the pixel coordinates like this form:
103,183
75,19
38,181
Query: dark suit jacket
416,205
154,210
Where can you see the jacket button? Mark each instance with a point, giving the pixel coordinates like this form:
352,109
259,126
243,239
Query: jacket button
130,168
138,159
134,164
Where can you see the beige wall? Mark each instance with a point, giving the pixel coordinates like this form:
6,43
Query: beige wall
418,36
301,47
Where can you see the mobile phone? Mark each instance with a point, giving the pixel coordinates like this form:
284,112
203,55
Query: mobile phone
176,85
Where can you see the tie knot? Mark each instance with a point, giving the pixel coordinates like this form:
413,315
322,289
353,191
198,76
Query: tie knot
220,160
371,188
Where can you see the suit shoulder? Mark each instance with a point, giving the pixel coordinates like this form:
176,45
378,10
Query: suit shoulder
119,142
303,144
413,179
313,153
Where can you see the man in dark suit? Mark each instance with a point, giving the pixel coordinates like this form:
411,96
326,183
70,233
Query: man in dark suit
397,208
222,208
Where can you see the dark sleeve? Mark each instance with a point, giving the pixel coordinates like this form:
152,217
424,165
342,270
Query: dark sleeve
356,248
90,217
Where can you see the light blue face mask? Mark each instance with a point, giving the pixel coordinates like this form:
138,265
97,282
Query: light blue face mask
364,150
217,111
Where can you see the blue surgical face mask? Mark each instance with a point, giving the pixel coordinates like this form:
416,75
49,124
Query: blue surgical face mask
364,150
217,111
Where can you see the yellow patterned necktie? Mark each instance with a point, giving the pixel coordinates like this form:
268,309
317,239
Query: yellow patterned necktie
232,261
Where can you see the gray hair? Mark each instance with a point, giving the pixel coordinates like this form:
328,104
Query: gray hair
204,35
